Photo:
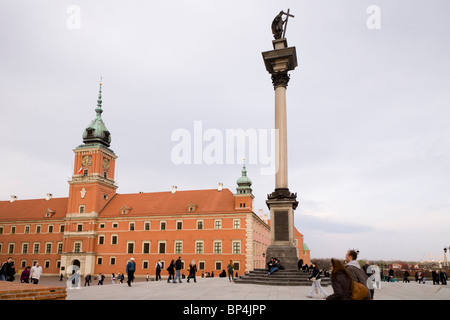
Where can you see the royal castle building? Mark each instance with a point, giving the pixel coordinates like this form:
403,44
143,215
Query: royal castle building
99,230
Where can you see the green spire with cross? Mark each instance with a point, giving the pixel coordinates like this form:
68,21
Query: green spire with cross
96,132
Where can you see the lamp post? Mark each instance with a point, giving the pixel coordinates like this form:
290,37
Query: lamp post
445,262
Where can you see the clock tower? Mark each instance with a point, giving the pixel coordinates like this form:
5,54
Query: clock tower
91,188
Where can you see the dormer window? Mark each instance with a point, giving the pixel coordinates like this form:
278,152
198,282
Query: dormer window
191,207
49,213
125,210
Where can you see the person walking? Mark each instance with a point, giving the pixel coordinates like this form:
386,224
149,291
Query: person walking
171,270
341,281
87,280
435,278
158,268
178,265
35,273
356,272
113,278
192,270
406,276
230,269
130,270
101,277
443,277
316,287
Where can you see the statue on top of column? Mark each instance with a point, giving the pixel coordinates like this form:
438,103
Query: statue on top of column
277,24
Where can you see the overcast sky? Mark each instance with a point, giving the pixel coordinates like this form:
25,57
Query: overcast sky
368,109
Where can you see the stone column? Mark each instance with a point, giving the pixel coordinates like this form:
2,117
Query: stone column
281,202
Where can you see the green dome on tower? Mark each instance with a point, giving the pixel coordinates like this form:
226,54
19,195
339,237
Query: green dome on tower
244,183
96,132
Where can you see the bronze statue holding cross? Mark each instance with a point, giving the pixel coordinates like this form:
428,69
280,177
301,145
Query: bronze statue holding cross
278,22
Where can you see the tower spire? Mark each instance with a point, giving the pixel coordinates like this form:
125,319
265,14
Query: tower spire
244,183
99,109
97,132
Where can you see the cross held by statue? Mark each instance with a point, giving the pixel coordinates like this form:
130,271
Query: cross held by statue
286,21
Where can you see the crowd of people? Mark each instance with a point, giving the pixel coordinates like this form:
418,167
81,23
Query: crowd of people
347,277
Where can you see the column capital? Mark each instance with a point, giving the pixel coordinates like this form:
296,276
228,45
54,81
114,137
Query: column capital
280,79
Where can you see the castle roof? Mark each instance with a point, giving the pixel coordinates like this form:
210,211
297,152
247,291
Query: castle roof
210,201
33,209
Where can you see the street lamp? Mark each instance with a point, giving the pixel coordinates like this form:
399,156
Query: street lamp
445,263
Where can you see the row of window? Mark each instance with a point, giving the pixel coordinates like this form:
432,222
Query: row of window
35,248
131,226
38,229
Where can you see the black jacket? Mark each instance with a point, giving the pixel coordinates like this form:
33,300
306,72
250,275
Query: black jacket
316,273
178,264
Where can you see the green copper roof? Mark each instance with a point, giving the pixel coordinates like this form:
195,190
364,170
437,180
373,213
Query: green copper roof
244,183
97,132
305,247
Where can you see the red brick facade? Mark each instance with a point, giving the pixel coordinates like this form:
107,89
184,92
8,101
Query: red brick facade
99,230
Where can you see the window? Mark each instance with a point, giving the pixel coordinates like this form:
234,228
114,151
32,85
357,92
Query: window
131,228
102,226
146,247
61,228
79,227
218,265
36,248
236,266
114,239
38,229
1,230
48,248
217,247
162,247
147,226
178,247
85,172
23,264
130,247
13,229
236,247
145,264
105,175
200,224
50,229
47,264
99,260
236,223
77,247
218,224
163,225
115,225
24,248
179,225
60,246
101,239
198,247
11,248
81,208
201,265
112,261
